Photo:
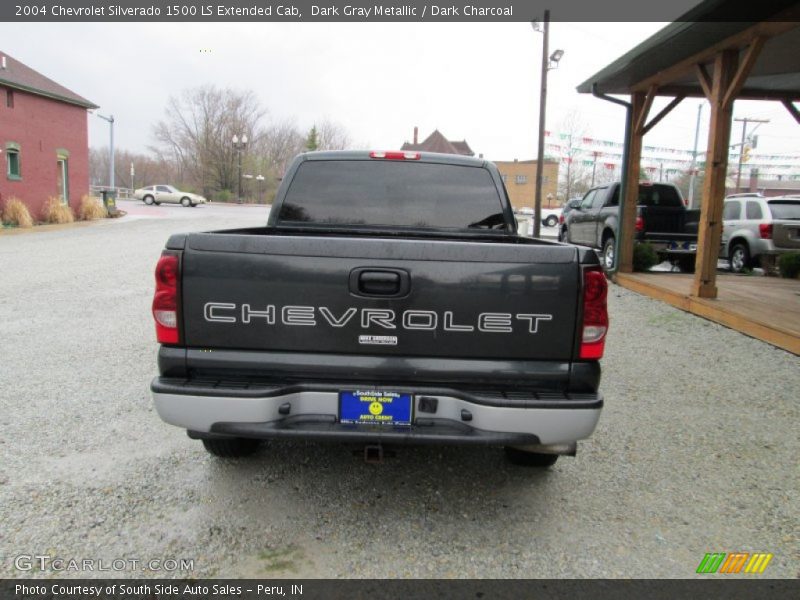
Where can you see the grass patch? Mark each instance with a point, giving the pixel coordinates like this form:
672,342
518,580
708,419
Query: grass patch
91,208
56,212
17,214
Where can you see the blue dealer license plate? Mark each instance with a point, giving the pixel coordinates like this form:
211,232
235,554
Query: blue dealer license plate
375,407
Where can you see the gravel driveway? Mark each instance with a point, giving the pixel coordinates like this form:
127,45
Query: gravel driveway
697,450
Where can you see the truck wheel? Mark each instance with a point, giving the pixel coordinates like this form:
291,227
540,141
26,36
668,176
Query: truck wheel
739,257
231,448
608,257
530,459
551,221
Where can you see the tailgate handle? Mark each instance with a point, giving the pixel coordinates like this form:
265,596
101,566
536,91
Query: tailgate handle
383,282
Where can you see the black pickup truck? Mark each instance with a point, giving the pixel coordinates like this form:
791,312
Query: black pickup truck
662,220
388,299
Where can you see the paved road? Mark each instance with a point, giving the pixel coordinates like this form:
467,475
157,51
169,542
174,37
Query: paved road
696,451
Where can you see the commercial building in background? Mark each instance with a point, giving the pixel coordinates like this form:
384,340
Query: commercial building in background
44,140
520,179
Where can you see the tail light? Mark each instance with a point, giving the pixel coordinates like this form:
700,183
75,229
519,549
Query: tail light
765,231
639,223
561,219
165,300
595,313
395,155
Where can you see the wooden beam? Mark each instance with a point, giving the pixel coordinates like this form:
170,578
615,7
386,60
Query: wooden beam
633,167
664,112
746,94
786,21
704,79
792,110
710,226
645,110
745,66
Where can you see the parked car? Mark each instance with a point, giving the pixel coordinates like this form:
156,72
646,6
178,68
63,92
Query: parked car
549,215
569,205
662,220
756,230
156,194
387,299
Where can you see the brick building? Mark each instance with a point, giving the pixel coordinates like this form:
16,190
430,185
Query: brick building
44,145
520,179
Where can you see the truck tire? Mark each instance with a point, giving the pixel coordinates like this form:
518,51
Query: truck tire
530,459
551,221
231,448
608,256
739,257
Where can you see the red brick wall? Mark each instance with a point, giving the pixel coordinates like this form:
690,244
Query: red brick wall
40,126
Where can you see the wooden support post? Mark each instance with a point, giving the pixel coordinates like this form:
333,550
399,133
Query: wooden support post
710,227
638,115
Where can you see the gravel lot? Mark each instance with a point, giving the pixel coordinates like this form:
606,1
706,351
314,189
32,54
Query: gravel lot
696,452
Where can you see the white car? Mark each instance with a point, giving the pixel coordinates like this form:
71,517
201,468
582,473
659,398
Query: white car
156,194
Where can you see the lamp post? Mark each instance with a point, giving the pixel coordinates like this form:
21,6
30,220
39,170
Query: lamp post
548,63
110,120
239,145
260,184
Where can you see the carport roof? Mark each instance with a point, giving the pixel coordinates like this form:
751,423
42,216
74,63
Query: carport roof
667,58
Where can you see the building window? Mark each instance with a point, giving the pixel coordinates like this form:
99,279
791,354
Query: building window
521,179
12,164
9,98
63,180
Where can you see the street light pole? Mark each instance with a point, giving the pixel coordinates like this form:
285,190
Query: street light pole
110,120
692,175
549,61
239,145
537,206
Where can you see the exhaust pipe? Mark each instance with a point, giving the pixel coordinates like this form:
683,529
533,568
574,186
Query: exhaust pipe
567,449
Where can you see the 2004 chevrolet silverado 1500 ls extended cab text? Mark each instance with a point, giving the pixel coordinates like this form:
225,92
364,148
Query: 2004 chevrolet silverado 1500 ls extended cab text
388,300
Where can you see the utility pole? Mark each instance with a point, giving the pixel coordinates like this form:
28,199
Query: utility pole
594,168
549,61
694,157
537,206
744,123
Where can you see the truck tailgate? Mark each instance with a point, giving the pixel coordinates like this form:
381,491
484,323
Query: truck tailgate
380,296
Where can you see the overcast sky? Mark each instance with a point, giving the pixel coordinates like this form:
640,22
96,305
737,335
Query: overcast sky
478,82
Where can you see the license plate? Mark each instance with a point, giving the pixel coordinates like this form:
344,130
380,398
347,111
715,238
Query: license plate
375,407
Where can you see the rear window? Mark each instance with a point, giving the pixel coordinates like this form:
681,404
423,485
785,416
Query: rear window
659,195
785,209
392,193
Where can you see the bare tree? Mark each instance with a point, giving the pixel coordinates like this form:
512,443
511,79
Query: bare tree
197,130
332,136
575,179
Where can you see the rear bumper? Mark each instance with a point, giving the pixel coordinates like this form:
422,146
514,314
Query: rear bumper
310,411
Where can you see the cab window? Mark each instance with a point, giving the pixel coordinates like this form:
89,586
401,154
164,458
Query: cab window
731,210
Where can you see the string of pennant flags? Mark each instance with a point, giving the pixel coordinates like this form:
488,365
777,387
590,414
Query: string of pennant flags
594,152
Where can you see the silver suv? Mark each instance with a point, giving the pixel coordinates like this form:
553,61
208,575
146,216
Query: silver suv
757,229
